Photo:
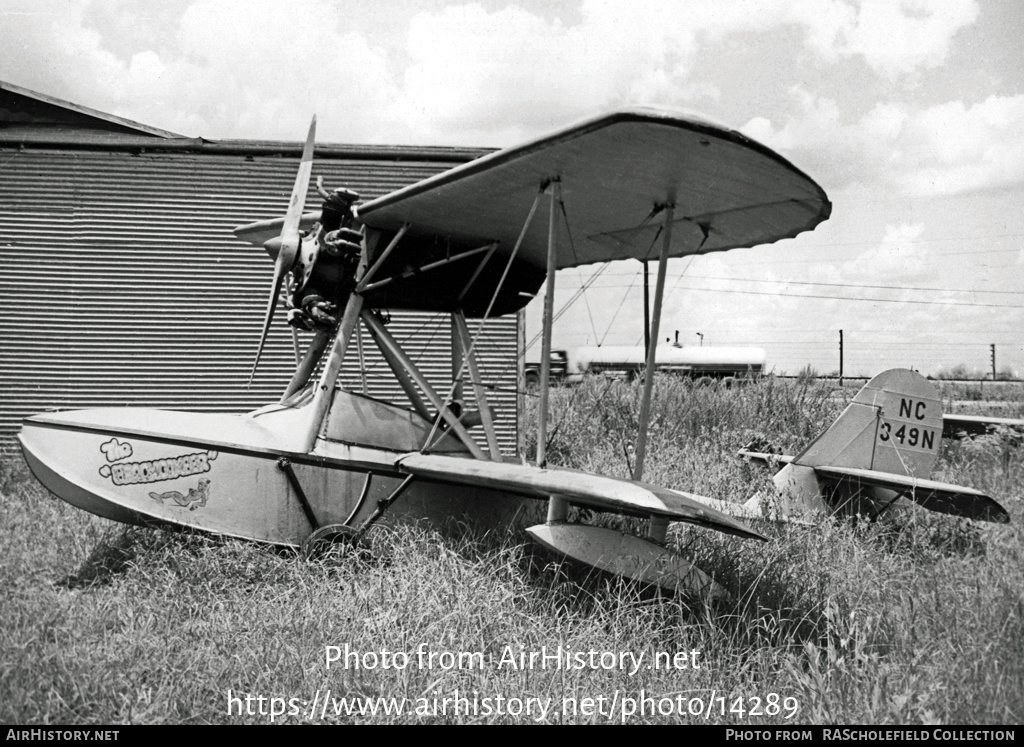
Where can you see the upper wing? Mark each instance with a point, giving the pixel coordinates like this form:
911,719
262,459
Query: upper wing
596,491
615,172
728,192
937,496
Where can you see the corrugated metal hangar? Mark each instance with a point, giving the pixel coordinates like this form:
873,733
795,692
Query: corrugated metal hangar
122,284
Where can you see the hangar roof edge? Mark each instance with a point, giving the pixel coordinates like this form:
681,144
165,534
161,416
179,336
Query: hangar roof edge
41,108
29,119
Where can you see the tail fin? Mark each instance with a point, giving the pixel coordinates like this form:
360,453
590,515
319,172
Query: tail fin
894,424
881,449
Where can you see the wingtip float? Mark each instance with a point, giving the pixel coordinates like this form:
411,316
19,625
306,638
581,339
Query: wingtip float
324,458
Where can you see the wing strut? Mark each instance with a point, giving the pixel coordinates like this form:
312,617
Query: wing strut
658,527
659,296
403,378
362,360
479,269
368,275
325,388
494,297
426,268
380,333
549,308
305,369
558,506
479,392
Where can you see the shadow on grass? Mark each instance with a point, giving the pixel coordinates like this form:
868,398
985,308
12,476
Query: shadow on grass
108,560
136,545
929,538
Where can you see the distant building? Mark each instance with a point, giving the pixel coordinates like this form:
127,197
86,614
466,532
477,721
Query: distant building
122,284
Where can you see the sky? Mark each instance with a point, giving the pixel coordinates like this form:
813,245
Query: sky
909,113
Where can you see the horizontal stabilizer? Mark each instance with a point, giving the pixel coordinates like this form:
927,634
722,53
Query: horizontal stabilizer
959,426
594,491
933,495
627,555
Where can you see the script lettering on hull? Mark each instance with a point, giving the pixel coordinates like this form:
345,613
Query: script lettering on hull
154,470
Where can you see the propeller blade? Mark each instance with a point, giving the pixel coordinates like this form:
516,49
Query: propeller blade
285,248
298,200
275,292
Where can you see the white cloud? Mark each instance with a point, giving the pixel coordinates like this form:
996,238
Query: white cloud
45,46
899,38
955,148
900,256
484,71
263,68
258,69
945,149
254,69
480,71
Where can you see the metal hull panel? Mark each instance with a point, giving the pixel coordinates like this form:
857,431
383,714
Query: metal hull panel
229,493
222,474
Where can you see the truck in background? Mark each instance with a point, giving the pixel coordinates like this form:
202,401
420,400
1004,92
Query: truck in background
705,365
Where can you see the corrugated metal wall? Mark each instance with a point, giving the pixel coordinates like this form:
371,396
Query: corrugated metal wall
122,284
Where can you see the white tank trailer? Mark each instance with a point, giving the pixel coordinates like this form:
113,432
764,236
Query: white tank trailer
704,364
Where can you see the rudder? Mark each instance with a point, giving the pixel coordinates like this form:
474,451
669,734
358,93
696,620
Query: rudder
893,424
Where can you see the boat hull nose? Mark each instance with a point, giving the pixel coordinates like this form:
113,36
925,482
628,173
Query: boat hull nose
44,457
107,462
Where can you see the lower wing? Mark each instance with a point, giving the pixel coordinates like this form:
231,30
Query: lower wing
582,488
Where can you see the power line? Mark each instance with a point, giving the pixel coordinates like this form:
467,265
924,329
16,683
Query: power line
945,240
830,285
839,298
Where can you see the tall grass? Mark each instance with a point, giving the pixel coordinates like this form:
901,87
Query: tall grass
905,621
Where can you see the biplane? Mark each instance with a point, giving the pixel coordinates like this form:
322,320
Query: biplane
474,242
877,456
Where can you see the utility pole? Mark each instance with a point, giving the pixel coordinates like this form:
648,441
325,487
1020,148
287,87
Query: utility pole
840,357
993,348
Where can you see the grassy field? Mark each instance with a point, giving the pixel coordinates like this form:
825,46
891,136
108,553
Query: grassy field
919,621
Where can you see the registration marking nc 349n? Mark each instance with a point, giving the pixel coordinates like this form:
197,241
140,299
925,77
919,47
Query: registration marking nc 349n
907,429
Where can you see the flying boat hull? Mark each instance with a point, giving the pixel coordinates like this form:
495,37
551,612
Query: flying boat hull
232,475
